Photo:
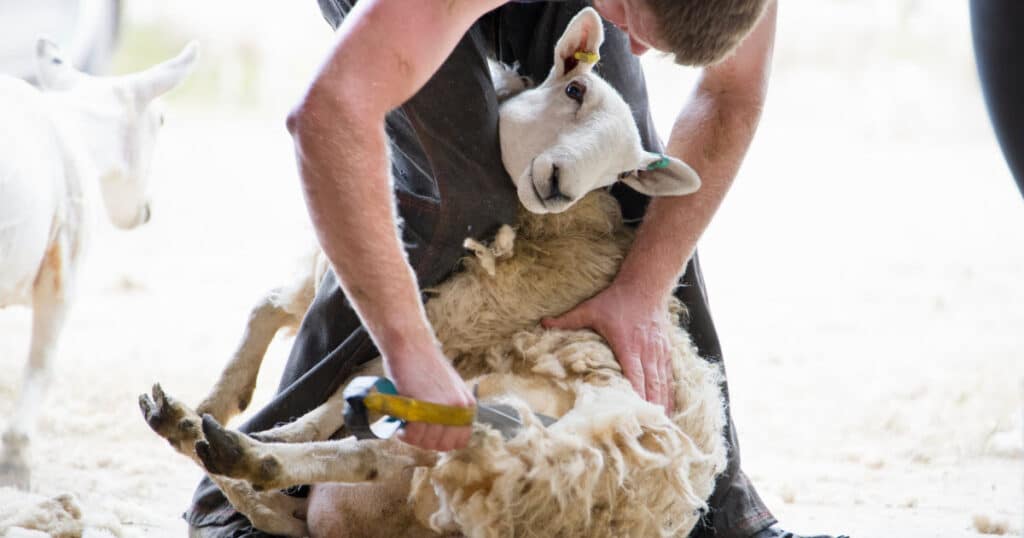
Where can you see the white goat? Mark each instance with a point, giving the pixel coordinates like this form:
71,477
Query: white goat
80,140
612,465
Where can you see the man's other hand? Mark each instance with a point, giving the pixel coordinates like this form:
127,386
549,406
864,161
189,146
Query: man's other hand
637,330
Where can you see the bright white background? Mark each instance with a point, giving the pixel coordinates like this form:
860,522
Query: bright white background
866,272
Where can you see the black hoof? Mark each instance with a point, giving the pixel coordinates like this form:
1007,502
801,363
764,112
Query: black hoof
221,451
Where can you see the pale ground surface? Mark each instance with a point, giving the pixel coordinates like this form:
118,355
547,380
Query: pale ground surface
866,274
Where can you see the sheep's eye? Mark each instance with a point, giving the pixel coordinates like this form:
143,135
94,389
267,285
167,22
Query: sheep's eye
576,90
161,120
625,174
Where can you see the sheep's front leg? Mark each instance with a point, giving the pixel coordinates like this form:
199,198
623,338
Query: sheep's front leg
174,421
269,511
282,465
317,425
49,309
320,423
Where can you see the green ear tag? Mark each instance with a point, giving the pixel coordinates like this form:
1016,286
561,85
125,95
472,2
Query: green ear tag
659,164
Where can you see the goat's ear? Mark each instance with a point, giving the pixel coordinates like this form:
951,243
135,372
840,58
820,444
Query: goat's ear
577,49
661,175
166,76
55,73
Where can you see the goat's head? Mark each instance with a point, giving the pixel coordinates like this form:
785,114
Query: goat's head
119,123
574,133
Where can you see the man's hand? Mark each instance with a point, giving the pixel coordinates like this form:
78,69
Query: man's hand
431,379
636,328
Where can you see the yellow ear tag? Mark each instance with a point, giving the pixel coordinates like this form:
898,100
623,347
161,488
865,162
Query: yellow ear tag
587,57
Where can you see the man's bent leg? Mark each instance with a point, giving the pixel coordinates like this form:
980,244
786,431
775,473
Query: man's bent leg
736,510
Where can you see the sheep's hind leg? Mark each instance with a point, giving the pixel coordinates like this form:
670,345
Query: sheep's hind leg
269,511
282,465
232,392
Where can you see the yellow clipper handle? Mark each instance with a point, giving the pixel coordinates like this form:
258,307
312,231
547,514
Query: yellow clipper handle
411,410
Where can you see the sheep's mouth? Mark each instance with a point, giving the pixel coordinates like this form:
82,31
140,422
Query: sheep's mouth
555,197
533,186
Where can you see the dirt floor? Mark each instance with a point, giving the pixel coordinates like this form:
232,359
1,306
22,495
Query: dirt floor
866,274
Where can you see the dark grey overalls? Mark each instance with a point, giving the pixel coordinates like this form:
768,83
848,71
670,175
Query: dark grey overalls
451,184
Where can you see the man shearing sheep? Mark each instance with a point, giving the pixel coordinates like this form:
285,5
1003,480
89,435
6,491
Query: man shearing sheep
403,113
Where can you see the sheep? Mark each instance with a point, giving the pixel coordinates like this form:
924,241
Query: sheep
612,464
79,142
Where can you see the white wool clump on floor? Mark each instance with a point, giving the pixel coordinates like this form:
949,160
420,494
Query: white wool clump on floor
60,516
18,532
30,515
985,524
1006,445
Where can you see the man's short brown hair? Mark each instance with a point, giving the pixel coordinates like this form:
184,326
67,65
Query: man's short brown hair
702,32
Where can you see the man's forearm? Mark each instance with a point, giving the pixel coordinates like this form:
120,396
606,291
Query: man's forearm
713,141
712,134
384,52
343,164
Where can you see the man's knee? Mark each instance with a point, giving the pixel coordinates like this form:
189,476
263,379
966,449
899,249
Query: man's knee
323,516
364,509
346,510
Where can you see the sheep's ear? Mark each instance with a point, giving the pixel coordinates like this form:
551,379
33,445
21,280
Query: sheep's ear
661,175
577,49
166,76
55,73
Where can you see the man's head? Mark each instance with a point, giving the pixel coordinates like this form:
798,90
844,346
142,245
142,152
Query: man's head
697,32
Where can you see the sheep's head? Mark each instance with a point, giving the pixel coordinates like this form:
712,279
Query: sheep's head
119,122
574,133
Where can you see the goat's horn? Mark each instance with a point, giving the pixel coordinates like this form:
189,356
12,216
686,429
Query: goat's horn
164,77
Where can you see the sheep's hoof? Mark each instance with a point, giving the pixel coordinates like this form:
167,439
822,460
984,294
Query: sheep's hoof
170,419
15,474
231,454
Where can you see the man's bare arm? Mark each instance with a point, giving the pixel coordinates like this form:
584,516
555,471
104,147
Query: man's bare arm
385,50
712,134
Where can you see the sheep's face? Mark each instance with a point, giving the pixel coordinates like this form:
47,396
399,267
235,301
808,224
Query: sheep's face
119,122
574,133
